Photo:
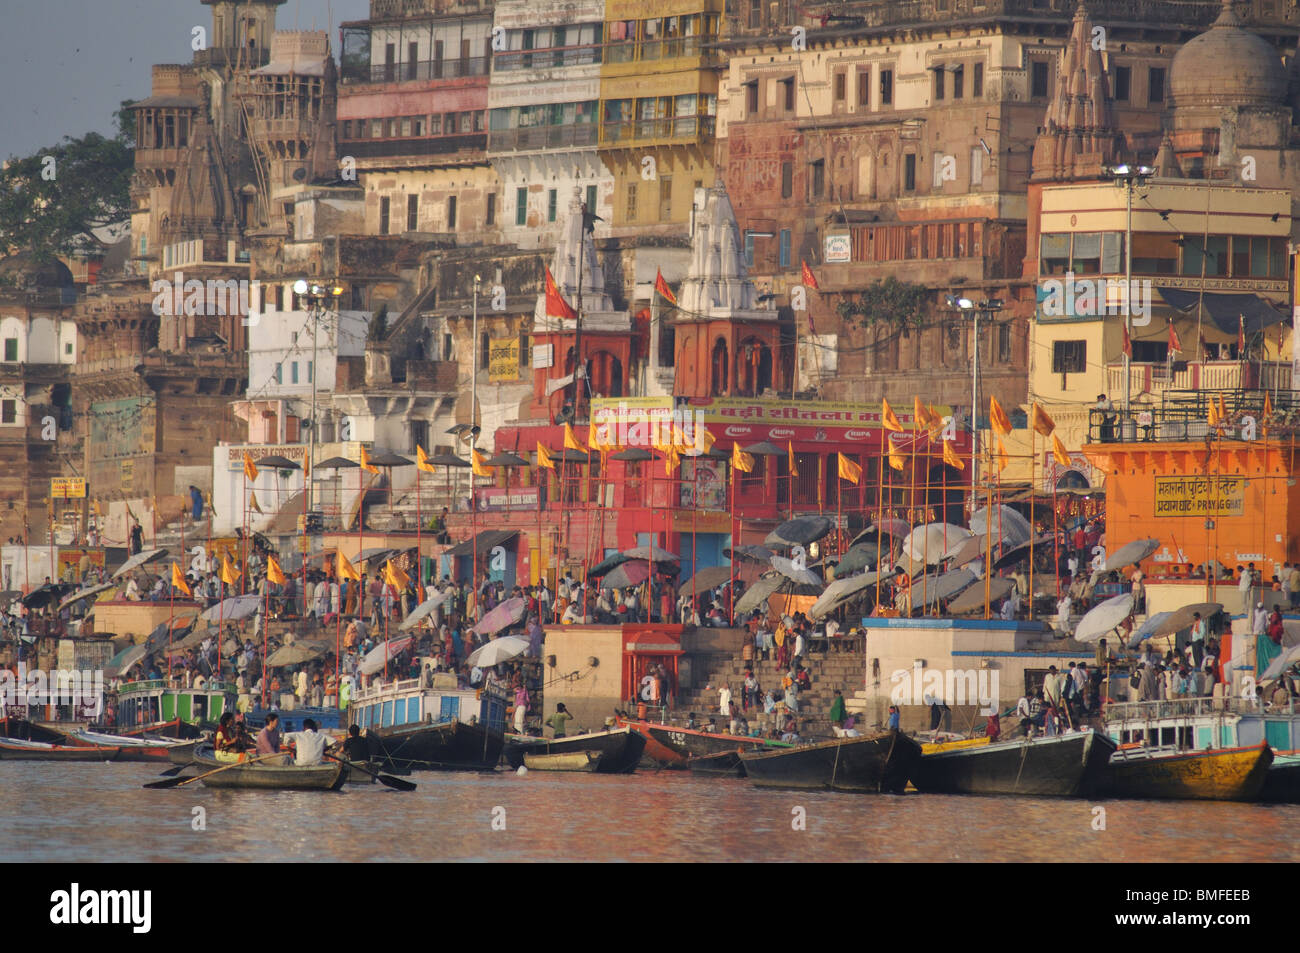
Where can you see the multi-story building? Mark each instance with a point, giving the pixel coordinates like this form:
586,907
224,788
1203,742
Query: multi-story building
658,105
544,116
413,117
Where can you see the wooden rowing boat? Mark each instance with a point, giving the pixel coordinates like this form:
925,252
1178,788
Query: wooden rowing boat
1069,765
1228,774
132,749
619,749
723,764
329,776
12,749
671,746
875,763
585,761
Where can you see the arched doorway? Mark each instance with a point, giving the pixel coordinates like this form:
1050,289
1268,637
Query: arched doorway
753,368
1073,480
718,374
606,375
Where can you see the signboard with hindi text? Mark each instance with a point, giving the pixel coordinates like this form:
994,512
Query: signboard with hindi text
1200,495
68,488
503,359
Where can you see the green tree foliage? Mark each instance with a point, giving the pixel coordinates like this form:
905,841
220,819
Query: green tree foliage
53,208
894,304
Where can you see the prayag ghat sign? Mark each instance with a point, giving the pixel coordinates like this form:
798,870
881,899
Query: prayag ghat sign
1200,496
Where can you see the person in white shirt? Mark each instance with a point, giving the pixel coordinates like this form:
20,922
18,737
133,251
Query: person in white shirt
1259,622
309,744
1063,610
724,701
571,615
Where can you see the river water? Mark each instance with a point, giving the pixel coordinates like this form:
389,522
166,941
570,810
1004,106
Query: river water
98,812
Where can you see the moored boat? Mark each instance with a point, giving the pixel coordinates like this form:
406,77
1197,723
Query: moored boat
13,749
328,776
25,730
723,764
620,749
875,763
1069,765
132,749
1282,785
583,761
440,728
672,746
183,753
1226,774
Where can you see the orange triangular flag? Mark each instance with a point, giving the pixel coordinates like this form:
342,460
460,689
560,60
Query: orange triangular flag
1059,451
950,456
1041,422
895,458
344,568
365,462
273,571
544,458
888,419
849,470
178,581
998,419
422,460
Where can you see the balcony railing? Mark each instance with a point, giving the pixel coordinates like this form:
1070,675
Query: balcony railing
680,128
542,59
428,146
542,137
1156,378
1184,415
416,70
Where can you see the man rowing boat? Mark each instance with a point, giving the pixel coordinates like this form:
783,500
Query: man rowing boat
309,745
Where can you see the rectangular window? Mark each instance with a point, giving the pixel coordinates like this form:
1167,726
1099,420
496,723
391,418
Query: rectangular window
939,73
293,373
412,212
11,349
412,59
864,87
976,167
521,206
1054,253
1123,77
1039,82
787,93
749,249
785,248
1069,357
311,371
490,216
909,172
958,79
591,199
1150,352
841,86
279,373
451,212
1155,254
977,81
755,14
665,198
1004,343
818,178
630,211
8,411
751,98
787,179
886,87
484,350
383,216
552,204
1156,84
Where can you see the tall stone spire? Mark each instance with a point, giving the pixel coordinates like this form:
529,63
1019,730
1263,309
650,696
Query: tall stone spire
1078,135
576,252
717,283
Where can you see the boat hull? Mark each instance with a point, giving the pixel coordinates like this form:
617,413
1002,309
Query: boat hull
450,746
620,749
329,776
1072,765
578,761
1282,783
26,730
182,753
1230,774
724,764
12,752
875,763
672,747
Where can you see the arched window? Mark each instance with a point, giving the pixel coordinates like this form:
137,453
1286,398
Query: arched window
718,376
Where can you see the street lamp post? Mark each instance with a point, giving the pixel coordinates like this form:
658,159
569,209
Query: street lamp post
974,309
317,295
1128,176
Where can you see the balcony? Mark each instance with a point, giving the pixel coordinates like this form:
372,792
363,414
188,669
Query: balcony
628,133
1184,416
416,70
429,146
537,138
1159,378
546,58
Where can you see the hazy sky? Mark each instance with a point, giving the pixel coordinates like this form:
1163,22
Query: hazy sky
66,65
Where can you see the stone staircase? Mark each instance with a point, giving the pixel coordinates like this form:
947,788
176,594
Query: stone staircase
829,671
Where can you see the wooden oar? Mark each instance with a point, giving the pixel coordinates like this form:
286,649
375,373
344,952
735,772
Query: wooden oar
397,784
172,772
179,782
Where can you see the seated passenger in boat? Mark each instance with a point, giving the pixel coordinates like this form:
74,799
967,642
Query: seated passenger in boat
309,744
228,745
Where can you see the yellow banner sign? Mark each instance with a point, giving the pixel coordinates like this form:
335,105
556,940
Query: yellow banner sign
503,360
68,488
1200,496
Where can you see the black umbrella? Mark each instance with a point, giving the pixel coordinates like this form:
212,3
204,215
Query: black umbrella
606,564
758,554
277,463
572,456
449,460
50,592
389,459
857,558
799,531
765,448
336,463
1019,553
632,455
507,460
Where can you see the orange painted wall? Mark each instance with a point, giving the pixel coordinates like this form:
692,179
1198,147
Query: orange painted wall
1266,530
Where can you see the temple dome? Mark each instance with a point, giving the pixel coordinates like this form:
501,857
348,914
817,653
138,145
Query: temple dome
1227,66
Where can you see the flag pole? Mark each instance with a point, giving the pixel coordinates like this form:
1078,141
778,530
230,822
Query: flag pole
171,621
880,503
735,542
1033,527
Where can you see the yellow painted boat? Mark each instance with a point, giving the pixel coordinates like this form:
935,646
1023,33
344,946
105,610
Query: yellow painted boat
953,745
1228,774
568,761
